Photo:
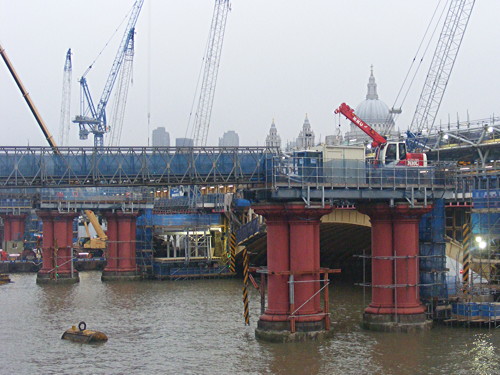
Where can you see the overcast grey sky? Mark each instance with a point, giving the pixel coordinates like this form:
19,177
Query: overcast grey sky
281,59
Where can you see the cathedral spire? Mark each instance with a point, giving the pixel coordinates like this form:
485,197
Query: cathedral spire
372,86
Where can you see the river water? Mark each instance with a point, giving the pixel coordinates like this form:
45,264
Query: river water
196,327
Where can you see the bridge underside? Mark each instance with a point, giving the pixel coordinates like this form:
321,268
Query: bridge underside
339,243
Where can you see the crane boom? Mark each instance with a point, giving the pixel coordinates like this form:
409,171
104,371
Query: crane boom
211,61
66,102
30,103
95,118
348,112
129,34
440,69
121,93
387,152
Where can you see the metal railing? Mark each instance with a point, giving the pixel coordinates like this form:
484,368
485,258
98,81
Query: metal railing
358,174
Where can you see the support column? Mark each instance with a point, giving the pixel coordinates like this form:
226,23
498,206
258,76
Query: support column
57,248
382,259
120,253
406,248
294,310
395,302
278,265
13,229
304,259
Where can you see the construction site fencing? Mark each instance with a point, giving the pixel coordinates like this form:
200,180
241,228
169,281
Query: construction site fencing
215,201
302,171
96,194
432,251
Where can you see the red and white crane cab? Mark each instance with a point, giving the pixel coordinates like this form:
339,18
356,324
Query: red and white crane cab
390,153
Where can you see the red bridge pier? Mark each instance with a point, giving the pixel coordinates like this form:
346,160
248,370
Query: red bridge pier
57,248
294,276
120,254
395,304
13,228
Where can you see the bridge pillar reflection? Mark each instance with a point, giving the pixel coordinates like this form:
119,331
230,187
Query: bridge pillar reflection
395,304
294,310
120,253
57,248
13,228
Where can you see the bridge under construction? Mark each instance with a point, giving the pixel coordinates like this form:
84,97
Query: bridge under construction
391,223
260,204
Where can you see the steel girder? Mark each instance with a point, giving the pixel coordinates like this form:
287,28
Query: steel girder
134,166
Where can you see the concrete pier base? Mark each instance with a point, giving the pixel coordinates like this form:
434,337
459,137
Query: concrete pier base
402,323
46,278
279,332
120,276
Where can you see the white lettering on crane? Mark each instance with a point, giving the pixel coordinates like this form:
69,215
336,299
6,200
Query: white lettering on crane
413,162
358,121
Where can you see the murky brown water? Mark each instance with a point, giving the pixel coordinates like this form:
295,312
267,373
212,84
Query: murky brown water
195,327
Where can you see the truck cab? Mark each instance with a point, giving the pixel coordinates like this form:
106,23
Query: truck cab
395,153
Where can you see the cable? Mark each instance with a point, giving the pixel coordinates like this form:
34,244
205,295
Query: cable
109,40
416,56
149,72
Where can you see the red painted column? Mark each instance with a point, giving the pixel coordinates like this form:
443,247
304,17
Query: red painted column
126,260
382,262
133,241
48,264
406,245
304,258
13,227
63,239
278,261
6,230
17,227
292,249
395,302
57,249
112,244
121,247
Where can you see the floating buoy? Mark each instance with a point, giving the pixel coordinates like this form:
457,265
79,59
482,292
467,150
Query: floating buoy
4,279
83,335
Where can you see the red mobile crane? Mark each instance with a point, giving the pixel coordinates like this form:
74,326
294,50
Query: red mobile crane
386,153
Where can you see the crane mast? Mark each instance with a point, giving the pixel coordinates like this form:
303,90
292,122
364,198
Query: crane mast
439,73
121,94
64,122
91,119
211,68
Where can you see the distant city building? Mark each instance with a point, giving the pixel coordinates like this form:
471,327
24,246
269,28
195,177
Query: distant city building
230,139
375,113
160,137
290,146
184,142
306,136
333,140
273,139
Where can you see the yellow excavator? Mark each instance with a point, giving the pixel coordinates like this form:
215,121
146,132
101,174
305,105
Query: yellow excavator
93,245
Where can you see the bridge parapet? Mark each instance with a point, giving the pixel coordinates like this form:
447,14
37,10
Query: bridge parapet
358,174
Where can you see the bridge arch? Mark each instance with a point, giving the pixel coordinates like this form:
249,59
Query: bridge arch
343,234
